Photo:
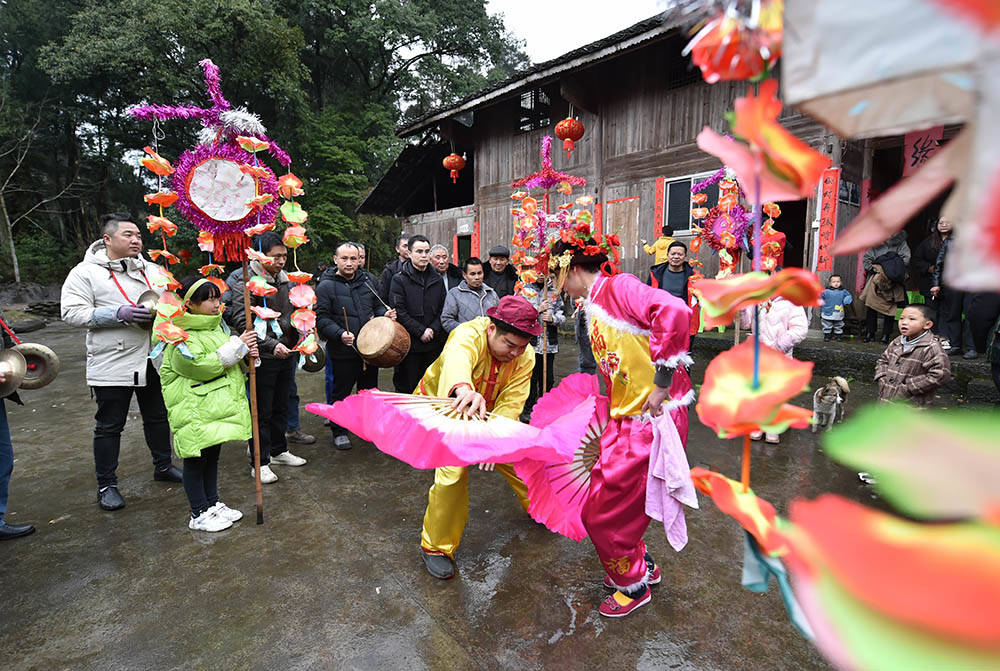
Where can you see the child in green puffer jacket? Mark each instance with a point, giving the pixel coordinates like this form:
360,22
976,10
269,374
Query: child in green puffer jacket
205,395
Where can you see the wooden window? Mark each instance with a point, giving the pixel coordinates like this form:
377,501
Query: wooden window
677,194
535,106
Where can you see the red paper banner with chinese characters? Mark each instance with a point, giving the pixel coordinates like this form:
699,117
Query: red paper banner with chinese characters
919,146
827,218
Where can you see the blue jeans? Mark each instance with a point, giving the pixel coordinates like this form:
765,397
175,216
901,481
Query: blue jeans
329,377
6,458
293,404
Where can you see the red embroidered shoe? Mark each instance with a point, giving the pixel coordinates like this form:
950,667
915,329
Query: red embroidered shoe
619,605
654,578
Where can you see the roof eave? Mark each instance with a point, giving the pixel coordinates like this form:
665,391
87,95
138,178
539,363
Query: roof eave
559,68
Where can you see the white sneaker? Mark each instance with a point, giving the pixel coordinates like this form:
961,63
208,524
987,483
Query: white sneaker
209,521
286,458
267,476
226,513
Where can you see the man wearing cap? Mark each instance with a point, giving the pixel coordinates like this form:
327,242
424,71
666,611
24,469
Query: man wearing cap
486,367
500,274
639,337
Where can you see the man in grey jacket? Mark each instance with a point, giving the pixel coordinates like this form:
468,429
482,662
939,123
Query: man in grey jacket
470,299
101,293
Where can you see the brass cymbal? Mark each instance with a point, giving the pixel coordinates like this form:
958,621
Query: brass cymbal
318,365
14,367
42,365
148,299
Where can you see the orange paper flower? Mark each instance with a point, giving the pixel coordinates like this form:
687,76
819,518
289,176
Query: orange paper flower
255,171
728,403
258,286
299,277
722,299
260,201
206,242
170,333
155,254
156,163
289,186
251,144
254,255
754,514
265,313
295,237
258,229
210,268
161,198
161,224
303,320
302,296
219,283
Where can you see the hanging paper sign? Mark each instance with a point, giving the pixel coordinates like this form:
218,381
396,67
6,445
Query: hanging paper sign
827,218
919,146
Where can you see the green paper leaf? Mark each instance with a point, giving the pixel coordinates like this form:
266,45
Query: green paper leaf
293,213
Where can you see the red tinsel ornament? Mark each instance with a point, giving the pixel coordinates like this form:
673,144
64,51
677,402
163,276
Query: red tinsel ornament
454,163
569,130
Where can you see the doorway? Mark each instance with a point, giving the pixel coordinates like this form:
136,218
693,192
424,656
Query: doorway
793,224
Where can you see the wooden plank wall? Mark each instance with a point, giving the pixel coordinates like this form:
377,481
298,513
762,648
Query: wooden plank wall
645,129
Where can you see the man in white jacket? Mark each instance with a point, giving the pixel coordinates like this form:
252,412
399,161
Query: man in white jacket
101,293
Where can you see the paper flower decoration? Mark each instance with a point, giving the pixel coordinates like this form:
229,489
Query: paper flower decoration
732,46
730,406
170,333
519,195
258,286
163,224
256,171
307,346
299,277
754,514
885,593
929,465
169,305
206,242
185,255
258,229
223,287
293,213
789,168
210,268
265,313
156,163
294,237
169,257
303,320
254,255
165,281
289,186
302,296
161,198
251,144
723,299
260,201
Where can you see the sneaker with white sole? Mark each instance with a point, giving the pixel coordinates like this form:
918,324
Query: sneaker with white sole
286,458
209,521
342,442
620,604
267,476
227,513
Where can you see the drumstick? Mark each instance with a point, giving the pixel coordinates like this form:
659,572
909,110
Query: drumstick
347,327
370,288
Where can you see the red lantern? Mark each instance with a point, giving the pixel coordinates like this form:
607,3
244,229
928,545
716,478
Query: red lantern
569,131
453,162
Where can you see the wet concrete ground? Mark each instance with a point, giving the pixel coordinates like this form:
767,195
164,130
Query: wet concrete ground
333,579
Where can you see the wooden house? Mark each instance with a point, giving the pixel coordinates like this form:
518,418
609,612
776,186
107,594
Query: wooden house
642,104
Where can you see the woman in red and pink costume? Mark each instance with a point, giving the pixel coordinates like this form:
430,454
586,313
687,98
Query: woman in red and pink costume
639,336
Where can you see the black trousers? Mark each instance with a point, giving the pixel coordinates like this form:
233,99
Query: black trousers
112,411
949,309
346,374
984,308
201,479
412,368
888,324
536,379
274,384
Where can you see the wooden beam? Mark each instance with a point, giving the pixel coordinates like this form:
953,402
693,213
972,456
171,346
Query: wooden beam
580,96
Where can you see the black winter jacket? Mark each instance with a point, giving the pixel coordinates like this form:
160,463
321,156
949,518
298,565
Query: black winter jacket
385,279
455,277
235,316
502,283
418,297
923,258
335,294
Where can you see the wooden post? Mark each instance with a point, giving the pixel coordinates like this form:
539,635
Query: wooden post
253,403
745,476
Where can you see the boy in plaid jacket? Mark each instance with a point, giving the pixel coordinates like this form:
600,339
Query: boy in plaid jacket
914,365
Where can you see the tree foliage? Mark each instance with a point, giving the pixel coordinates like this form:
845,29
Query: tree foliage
331,79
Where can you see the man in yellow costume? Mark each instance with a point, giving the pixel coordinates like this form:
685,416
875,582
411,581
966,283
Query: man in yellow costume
486,367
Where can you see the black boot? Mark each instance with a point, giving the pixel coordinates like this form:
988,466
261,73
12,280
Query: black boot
110,499
169,474
11,531
439,566
826,337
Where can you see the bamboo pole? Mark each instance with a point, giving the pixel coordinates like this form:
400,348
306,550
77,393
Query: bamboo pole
745,475
253,404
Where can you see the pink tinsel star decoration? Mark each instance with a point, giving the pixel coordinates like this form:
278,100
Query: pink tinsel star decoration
547,177
210,116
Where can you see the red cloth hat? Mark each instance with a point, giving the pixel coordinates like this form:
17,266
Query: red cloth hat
518,313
